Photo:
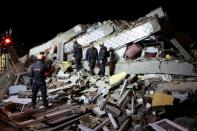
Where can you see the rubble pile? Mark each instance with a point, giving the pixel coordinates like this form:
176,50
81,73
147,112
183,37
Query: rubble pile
123,101
154,86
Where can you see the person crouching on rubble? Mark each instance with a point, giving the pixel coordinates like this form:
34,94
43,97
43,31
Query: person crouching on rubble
77,54
38,73
102,59
92,57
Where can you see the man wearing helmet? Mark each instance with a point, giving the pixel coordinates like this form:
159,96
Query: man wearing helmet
38,73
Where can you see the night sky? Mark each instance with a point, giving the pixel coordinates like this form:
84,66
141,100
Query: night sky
34,23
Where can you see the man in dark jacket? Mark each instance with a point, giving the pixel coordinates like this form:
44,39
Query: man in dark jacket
92,57
112,61
102,59
77,54
38,73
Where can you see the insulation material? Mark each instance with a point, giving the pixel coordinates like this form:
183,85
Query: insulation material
167,125
132,35
161,99
163,77
117,78
152,50
17,88
97,34
87,38
17,100
65,65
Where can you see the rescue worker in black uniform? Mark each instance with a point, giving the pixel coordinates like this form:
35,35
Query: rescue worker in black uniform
102,59
77,54
112,61
92,57
38,73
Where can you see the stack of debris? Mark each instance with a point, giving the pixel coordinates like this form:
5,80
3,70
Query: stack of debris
154,87
122,101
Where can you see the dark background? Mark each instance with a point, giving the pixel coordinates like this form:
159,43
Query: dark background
34,23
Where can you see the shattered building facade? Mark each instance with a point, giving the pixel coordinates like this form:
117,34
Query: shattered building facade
154,75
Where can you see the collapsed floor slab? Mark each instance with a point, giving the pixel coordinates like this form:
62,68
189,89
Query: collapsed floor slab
153,66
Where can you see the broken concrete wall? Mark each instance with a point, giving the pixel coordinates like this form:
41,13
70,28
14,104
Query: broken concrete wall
62,38
153,66
89,37
119,40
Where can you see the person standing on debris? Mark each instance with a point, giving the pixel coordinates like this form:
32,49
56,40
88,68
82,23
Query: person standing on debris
102,59
92,57
77,54
38,73
112,61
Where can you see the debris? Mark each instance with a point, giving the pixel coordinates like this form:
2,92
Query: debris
84,99
123,97
102,103
181,49
89,121
117,78
15,99
140,101
132,105
132,51
163,77
102,84
115,125
98,112
124,125
148,105
105,128
144,89
62,75
123,86
166,124
17,88
181,86
113,110
84,128
161,99
150,52
93,80
102,124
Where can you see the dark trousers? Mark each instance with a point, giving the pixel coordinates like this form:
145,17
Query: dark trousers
112,65
78,63
102,68
43,89
92,64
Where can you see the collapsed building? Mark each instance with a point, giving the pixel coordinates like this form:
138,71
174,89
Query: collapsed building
155,78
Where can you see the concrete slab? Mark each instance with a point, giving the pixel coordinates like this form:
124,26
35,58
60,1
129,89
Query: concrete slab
98,112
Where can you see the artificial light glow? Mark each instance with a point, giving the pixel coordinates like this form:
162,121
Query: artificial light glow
7,40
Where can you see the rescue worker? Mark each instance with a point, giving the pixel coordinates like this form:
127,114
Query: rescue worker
38,73
92,57
102,59
77,54
112,61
